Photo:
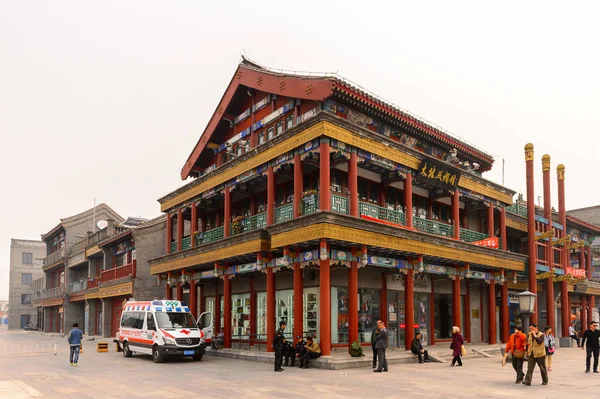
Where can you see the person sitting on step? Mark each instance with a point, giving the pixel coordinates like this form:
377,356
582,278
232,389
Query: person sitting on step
417,348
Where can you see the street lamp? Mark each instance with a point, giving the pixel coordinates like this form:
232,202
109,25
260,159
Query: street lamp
526,306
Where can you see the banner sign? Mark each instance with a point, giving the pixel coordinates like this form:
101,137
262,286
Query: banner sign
575,272
438,174
492,242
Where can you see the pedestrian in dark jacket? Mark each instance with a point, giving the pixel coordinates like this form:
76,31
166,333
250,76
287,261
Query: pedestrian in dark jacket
592,347
74,339
373,336
300,350
313,351
457,343
417,348
381,343
278,344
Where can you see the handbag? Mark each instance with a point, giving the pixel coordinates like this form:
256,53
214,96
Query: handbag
452,345
463,350
518,353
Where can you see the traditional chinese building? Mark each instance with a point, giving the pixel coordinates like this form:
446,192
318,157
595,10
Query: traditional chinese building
317,202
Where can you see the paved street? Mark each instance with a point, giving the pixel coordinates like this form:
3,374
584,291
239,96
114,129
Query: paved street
110,375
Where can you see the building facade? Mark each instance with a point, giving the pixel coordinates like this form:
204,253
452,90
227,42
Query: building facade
320,204
25,267
100,271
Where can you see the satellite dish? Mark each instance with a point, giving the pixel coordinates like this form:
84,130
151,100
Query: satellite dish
102,224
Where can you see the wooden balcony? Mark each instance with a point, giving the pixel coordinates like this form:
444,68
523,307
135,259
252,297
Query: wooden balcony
117,273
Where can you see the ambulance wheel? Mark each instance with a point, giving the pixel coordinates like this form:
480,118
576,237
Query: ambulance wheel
126,351
197,357
157,355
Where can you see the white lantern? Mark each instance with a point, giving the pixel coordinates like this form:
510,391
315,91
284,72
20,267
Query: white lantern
527,302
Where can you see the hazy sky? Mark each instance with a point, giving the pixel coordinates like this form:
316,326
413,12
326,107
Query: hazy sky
107,99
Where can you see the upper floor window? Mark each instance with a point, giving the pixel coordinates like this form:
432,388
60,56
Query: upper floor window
368,191
26,278
261,138
289,122
270,133
27,258
25,299
279,128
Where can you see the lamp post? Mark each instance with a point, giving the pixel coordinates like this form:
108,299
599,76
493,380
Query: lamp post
527,307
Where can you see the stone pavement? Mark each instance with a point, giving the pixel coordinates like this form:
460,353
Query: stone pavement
110,375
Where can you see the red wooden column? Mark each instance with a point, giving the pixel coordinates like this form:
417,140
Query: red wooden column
565,309
179,228
456,214
227,311
408,202
383,300
298,300
582,258
194,227
298,182
270,198
456,301
325,305
584,313
353,183
490,217
503,228
217,315
194,298
325,177
409,332
591,306
252,310
492,312
169,290
169,232
531,245
589,262
504,331
179,291
227,213
467,332
353,302
549,246
271,323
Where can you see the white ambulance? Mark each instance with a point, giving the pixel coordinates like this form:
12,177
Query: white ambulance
162,328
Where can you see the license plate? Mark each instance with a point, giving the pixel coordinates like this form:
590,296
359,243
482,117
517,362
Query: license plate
188,352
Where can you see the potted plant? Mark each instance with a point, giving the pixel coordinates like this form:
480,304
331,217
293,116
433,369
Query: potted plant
356,349
236,224
309,196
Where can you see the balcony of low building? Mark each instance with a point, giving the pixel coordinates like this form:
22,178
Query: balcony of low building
54,260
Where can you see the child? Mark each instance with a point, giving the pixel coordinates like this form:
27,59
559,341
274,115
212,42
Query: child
550,346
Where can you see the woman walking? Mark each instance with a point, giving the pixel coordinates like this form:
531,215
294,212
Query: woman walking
550,344
457,343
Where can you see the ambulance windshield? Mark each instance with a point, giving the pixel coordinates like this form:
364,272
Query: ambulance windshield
175,320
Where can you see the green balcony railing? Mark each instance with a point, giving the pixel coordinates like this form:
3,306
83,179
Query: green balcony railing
173,246
517,209
309,204
284,213
381,213
186,243
339,204
250,223
210,236
467,235
433,227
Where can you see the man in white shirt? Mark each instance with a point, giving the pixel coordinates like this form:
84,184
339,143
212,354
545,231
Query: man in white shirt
573,334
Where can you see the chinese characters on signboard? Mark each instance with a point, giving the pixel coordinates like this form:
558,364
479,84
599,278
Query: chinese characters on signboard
492,242
438,174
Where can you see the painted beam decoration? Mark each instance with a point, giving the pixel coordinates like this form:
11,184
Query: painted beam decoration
438,174
274,115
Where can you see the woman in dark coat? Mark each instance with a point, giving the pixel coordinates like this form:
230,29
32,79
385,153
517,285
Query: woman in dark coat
457,343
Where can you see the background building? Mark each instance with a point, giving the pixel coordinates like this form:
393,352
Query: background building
25,267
